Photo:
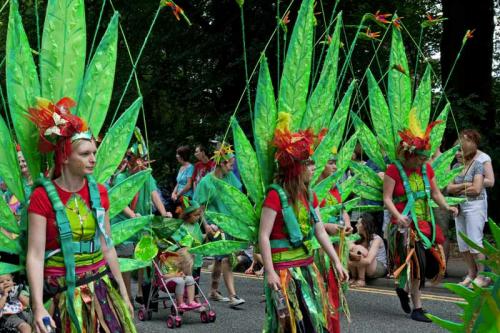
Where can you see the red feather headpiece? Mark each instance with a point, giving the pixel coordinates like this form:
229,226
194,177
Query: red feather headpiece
292,148
413,140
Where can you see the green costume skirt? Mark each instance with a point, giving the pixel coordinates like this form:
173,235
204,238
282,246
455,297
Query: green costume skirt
98,305
306,298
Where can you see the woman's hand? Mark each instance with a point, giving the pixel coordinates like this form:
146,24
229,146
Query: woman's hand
403,221
174,196
39,314
273,280
348,229
453,210
343,275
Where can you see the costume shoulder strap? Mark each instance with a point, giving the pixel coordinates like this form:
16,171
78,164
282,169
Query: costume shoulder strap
66,242
99,212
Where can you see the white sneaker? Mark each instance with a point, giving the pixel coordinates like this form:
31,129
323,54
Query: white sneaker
235,301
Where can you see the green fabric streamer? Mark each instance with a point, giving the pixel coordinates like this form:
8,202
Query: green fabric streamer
115,143
248,165
22,88
62,59
264,123
121,194
94,95
294,86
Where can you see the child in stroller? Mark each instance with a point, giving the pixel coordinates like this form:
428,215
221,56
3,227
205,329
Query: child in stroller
176,268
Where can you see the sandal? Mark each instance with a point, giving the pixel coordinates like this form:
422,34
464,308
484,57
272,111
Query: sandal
466,282
481,281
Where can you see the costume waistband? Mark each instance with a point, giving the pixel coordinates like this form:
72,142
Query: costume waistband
61,271
293,263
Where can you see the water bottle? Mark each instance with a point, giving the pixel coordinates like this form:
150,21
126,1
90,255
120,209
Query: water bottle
48,326
280,304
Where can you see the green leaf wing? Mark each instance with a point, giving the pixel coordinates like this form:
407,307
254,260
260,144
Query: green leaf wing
235,228
115,143
9,165
12,246
164,227
236,202
381,117
322,188
346,187
122,193
6,268
399,85
265,122
123,230
344,156
22,88
219,248
294,85
368,192
7,219
247,164
367,175
62,57
334,135
369,142
146,249
438,131
320,106
128,265
423,97
97,86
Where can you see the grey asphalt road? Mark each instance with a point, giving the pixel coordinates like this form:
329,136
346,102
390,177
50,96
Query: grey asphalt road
372,310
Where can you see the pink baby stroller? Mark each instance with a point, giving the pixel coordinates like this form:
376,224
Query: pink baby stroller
160,286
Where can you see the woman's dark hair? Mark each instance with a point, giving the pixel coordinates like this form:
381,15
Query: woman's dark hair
184,152
370,228
472,135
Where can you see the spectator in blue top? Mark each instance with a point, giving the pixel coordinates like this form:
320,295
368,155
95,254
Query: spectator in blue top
184,186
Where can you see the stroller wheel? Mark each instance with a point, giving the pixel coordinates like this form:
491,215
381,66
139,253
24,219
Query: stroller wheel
141,315
211,316
178,321
170,322
204,317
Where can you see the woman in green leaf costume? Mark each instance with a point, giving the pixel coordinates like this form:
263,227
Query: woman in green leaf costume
414,238
296,298
71,257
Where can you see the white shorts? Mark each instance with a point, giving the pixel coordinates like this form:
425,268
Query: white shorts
471,222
